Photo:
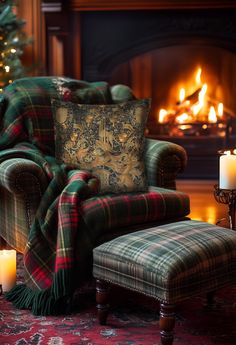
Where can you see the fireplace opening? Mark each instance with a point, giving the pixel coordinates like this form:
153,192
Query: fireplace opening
193,104
180,59
189,85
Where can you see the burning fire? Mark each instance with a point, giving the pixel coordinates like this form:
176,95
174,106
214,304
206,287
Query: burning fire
196,107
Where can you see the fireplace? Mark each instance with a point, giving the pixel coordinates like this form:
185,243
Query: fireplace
156,47
156,53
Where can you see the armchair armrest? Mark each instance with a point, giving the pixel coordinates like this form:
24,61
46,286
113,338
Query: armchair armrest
22,184
22,176
164,161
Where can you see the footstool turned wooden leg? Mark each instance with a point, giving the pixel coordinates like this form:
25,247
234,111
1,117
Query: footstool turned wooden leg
167,323
102,298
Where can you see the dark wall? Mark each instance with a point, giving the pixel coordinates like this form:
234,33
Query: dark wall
112,37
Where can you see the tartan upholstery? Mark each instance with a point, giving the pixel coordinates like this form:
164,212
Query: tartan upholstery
163,161
106,213
171,262
25,181
44,206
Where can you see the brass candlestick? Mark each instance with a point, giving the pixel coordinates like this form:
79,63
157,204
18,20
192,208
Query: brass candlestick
228,197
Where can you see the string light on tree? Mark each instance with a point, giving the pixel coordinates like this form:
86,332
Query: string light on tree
12,43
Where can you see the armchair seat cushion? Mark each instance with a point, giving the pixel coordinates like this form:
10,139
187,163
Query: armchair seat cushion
103,214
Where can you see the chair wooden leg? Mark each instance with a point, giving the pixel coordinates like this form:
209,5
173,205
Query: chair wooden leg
167,323
102,298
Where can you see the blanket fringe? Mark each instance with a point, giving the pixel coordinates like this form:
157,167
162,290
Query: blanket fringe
43,302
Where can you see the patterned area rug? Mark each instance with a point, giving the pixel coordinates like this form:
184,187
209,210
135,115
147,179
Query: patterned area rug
133,320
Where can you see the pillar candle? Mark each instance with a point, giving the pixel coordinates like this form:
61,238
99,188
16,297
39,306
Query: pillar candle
227,171
7,269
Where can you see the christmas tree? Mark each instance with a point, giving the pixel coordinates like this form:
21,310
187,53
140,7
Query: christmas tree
12,43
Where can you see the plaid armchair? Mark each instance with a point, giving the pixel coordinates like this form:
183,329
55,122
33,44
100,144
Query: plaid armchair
27,167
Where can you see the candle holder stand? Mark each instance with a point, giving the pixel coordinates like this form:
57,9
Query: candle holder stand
228,197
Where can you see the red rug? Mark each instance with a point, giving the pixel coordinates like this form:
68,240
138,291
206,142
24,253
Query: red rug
133,320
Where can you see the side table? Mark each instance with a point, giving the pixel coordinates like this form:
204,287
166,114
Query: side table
227,196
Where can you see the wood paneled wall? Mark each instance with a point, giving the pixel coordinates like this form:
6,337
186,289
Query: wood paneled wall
34,54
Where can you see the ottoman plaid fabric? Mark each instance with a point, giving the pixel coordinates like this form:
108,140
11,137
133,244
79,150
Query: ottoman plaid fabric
170,262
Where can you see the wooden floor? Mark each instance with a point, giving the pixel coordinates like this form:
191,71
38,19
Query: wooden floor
202,202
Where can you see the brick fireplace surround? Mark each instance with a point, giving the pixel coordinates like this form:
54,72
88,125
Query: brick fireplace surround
88,39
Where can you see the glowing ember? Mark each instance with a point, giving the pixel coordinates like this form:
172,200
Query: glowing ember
183,118
162,115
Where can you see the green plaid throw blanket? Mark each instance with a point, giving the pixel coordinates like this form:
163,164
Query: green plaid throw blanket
52,251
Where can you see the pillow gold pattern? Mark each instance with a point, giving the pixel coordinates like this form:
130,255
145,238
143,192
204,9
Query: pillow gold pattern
107,140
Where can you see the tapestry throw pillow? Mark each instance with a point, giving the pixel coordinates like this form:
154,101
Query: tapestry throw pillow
107,140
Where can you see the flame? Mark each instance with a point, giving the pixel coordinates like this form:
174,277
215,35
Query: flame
162,115
201,95
212,115
198,76
182,118
194,106
182,95
227,153
220,109
201,100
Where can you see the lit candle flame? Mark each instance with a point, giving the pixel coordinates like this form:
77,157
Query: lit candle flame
182,95
162,115
227,153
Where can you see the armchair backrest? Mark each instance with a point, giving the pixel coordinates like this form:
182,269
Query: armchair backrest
26,112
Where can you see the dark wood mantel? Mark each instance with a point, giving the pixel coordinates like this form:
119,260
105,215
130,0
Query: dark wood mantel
97,5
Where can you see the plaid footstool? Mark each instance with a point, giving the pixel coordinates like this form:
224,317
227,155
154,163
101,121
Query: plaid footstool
171,262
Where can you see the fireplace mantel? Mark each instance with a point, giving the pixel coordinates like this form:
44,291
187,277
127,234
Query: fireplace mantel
97,5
